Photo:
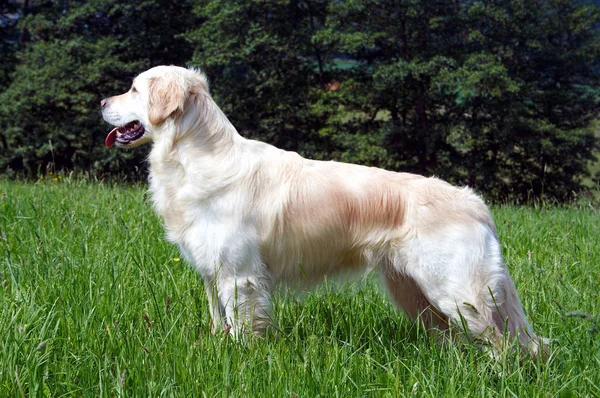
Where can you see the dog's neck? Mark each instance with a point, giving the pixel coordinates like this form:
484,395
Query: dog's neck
199,145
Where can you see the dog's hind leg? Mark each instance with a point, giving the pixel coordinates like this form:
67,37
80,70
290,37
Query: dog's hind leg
510,319
406,294
459,270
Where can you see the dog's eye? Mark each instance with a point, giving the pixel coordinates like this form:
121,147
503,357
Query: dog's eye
133,89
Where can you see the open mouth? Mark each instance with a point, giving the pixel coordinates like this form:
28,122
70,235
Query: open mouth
126,134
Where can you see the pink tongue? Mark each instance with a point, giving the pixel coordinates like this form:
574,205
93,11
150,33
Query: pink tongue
111,137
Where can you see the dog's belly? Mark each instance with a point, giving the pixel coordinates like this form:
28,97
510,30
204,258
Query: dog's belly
293,263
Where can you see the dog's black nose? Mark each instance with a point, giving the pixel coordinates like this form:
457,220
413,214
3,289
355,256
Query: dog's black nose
103,103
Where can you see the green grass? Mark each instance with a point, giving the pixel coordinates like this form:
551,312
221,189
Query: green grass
85,275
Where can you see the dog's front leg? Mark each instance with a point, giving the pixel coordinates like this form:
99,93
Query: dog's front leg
217,311
246,299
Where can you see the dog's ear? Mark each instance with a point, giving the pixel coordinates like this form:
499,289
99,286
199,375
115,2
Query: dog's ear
166,96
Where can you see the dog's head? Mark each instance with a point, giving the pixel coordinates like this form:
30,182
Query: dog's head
155,97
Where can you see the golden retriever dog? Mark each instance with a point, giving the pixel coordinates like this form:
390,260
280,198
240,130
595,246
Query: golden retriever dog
248,215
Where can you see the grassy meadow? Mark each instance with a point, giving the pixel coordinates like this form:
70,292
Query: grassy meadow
94,302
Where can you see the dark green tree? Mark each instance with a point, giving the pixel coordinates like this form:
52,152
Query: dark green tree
9,40
268,72
400,49
76,53
497,94
534,139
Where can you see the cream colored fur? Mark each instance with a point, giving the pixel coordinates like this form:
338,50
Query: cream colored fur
248,216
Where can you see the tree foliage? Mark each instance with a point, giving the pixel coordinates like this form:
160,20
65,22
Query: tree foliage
502,95
497,94
9,37
267,70
77,53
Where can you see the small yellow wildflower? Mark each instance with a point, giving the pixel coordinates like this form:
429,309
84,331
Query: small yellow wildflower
176,259
54,179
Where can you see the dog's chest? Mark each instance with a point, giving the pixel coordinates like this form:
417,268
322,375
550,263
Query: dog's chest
167,205
189,211
178,203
